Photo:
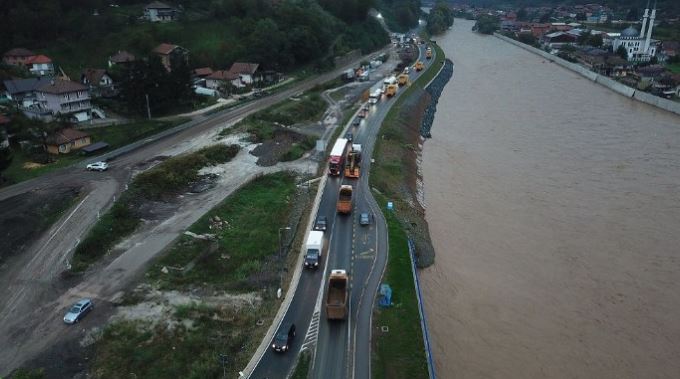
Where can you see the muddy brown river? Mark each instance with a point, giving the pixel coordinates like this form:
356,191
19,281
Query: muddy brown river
554,207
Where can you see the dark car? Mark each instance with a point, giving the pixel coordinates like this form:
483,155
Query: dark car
284,338
321,223
349,137
356,122
365,218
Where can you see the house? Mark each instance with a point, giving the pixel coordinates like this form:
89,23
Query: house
66,140
122,57
247,73
202,72
17,56
220,80
61,97
171,55
22,91
669,49
40,65
558,39
98,80
160,12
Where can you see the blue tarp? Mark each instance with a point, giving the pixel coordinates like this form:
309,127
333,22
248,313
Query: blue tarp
385,296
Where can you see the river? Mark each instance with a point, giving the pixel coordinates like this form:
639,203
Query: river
554,207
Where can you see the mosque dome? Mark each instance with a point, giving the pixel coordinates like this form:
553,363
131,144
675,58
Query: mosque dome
630,32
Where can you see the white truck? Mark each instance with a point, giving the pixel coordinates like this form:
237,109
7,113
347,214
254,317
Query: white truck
390,80
313,249
375,96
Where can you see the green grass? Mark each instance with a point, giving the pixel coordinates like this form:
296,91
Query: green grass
16,172
299,149
400,353
254,215
163,180
675,68
303,365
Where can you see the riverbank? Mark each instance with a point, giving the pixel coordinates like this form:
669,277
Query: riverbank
644,97
552,205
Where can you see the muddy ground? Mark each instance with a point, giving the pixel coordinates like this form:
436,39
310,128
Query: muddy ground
271,151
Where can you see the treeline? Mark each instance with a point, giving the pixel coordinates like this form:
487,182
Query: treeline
277,34
400,15
671,7
440,18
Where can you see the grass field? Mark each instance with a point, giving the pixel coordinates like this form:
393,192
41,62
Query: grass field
674,67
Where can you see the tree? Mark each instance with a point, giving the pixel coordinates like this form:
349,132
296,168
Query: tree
522,14
527,38
632,14
486,24
440,18
622,52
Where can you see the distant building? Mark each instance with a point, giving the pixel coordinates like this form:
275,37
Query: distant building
246,72
639,48
558,39
160,12
17,57
61,97
171,55
40,65
220,80
122,57
99,81
202,72
22,91
66,140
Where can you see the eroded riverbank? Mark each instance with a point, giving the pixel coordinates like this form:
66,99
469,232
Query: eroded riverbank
553,205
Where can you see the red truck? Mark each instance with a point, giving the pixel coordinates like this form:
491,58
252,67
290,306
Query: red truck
336,161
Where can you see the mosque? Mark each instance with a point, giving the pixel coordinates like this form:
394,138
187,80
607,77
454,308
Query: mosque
640,48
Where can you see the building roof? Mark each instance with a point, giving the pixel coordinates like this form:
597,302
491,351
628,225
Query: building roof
222,75
158,5
630,32
16,86
165,48
92,75
244,68
19,52
38,59
58,86
203,71
4,119
122,56
95,146
65,136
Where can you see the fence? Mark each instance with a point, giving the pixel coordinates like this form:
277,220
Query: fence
421,310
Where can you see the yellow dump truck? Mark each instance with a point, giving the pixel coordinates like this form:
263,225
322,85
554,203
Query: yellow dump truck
403,79
419,66
353,161
391,90
336,298
344,205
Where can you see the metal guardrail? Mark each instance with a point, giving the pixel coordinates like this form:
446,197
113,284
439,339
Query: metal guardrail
421,310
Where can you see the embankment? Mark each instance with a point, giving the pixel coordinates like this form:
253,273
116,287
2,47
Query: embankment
613,85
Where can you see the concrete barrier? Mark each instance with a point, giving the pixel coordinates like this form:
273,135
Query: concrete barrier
659,102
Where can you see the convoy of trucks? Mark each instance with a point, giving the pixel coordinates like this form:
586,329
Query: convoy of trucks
353,161
336,298
344,205
337,157
313,249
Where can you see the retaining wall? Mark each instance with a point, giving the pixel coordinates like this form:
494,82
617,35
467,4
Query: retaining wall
613,85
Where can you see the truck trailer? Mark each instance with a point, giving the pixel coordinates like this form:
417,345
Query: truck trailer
353,161
336,298
337,158
344,205
313,249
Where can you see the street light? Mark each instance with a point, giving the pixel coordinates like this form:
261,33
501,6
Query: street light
278,292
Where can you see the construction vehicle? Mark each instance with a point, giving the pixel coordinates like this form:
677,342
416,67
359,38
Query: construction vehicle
391,90
337,158
403,79
428,53
419,66
344,205
353,161
313,249
336,298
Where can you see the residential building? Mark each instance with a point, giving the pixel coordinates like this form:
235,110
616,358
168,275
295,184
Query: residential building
558,39
99,81
40,65
220,79
160,12
22,91
66,140
17,56
247,73
202,72
122,57
61,97
171,55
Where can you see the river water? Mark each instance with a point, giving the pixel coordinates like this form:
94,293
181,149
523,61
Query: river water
554,207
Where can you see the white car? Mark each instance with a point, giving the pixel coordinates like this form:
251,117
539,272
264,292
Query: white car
98,166
78,311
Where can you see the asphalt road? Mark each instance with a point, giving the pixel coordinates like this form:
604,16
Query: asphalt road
341,349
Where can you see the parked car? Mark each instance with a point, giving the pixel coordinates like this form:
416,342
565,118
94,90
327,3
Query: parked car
98,166
284,338
321,223
349,137
365,218
78,311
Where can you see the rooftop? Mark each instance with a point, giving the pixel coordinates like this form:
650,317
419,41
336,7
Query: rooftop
59,86
19,52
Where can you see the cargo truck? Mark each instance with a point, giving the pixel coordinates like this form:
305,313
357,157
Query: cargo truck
345,199
419,66
391,90
313,249
428,53
375,96
337,157
403,79
336,298
353,161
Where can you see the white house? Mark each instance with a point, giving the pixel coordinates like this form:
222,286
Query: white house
40,65
160,12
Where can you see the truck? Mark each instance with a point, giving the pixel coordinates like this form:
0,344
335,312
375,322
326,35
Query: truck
353,161
336,298
403,79
419,66
375,96
428,53
337,158
344,205
348,75
313,249
390,80
391,90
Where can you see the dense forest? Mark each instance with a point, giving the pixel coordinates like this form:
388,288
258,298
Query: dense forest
277,34
400,15
440,18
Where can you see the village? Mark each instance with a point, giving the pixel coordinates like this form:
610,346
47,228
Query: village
621,44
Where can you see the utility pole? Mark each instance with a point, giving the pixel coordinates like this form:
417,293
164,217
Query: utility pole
223,360
148,109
